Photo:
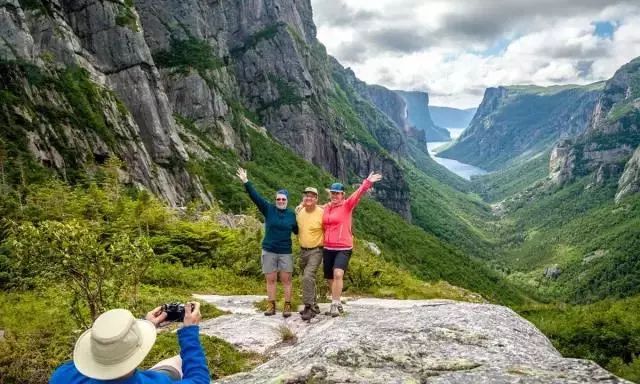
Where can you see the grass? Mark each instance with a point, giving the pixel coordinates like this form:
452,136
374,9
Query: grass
513,179
287,335
223,359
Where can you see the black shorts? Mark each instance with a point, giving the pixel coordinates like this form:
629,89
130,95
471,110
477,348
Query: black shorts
334,259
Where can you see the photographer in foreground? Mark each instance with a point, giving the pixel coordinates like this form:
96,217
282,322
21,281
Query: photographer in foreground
117,343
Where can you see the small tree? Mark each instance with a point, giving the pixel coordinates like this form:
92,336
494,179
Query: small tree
100,270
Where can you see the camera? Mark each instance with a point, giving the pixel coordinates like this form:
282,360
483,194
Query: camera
174,311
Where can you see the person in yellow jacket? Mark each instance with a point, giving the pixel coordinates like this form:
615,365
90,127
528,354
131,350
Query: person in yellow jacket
310,234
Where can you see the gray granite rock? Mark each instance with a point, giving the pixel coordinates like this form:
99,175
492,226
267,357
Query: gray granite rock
399,341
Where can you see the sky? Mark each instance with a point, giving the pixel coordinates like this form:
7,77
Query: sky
455,49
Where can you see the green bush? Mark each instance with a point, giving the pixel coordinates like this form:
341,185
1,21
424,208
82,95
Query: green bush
184,55
101,271
607,332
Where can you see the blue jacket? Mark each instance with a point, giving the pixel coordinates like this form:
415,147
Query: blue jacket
278,223
194,366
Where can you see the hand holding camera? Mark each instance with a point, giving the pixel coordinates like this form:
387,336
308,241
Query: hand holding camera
188,314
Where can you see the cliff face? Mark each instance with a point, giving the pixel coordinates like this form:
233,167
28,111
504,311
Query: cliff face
606,149
73,59
522,120
198,69
629,182
419,116
451,117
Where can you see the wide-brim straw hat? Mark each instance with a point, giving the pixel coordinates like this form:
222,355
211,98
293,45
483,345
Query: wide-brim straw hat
115,345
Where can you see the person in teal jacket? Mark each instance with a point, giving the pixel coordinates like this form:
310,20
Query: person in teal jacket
277,255
117,343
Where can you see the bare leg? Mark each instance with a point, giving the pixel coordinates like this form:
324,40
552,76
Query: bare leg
271,279
171,366
285,278
336,288
330,284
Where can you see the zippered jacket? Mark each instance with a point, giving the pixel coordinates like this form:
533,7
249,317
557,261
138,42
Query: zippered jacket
337,218
278,223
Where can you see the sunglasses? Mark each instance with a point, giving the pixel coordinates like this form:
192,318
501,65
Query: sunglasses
281,199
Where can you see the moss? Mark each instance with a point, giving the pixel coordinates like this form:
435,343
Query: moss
7,97
296,36
126,16
87,100
619,110
39,7
264,34
287,94
237,106
354,128
185,55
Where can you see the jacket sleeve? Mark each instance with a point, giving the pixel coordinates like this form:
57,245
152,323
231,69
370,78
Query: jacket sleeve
194,363
355,197
258,200
295,226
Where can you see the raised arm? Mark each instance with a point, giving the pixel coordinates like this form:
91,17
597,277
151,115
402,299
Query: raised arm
194,362
355,197
257,199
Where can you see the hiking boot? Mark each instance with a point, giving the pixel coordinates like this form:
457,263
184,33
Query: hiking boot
340,309
333,311
286,312
271,308
308,313
314,308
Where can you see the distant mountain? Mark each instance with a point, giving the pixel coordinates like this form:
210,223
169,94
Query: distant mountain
520,121
419,116
451,117
609,148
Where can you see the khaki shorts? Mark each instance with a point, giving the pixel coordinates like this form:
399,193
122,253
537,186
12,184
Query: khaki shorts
171,367
276,262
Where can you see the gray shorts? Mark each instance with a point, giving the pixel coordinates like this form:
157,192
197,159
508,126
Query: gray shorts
276,262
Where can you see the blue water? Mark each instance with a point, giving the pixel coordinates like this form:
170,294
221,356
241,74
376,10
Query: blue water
460,169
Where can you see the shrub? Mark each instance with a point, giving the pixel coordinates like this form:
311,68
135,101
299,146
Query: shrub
101,271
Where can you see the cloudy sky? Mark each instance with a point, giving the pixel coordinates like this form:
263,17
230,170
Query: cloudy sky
454,49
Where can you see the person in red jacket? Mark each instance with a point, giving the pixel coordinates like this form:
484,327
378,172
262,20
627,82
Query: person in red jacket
338,239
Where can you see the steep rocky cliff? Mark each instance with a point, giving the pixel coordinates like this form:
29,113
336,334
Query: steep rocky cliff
451,117
629,182
605,150
80,85
187,79
419,116
522,121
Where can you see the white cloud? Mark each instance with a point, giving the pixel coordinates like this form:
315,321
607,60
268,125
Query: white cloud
444,47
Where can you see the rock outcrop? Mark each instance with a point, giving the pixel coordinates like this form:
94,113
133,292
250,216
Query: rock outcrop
419,116
629,182
521,121
606,149
407,341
